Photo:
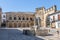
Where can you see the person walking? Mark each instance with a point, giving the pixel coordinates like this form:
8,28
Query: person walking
57,32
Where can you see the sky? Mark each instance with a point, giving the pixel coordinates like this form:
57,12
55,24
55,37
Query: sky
27,5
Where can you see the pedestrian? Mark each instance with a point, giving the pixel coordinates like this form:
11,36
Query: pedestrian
57,32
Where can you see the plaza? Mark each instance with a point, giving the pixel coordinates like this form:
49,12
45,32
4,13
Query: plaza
17,34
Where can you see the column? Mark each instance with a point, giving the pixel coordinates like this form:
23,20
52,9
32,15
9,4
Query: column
12,25
17,24
7,25
34,21
38,22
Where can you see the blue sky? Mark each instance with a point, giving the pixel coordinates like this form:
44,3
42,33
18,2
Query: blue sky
27,5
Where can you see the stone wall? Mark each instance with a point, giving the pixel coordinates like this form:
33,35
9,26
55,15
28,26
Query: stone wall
43,14
26,19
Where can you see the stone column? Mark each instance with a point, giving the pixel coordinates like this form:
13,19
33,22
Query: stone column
17,24
21,24
38,22
38,26
8,24
34,21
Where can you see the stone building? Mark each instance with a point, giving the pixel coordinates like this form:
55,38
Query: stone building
19,19
43,13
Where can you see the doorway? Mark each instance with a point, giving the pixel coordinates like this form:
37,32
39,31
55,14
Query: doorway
3,25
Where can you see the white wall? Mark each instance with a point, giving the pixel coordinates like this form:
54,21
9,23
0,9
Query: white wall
56,23
3,18
56,18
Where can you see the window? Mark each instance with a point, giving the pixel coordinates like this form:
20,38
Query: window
3,16
31,19
23,18
19,18
10,18
58,24
36,21
58,17
53,18
3,20
26,18
14,18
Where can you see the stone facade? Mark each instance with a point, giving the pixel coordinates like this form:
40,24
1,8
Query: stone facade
43,13
19,19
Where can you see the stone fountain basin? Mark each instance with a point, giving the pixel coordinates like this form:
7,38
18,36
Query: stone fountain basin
42,32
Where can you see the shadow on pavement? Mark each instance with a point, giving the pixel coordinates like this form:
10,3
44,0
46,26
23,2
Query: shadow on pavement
15,34
50,35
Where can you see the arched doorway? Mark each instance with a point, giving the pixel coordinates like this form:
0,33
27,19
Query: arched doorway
27,25
47,21
10,25
32,24
19,24
23,24
38,21
15,25
3,24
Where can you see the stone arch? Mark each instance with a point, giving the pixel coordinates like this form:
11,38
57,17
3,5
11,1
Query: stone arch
23,25
15,25
23,18
31,18
27,24
27,18
38,21
10,25
19,17
32,24
19,24
47,21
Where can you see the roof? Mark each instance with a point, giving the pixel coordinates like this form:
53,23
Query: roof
21,12
57,12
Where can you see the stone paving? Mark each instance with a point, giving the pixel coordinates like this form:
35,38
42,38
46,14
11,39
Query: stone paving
14,34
